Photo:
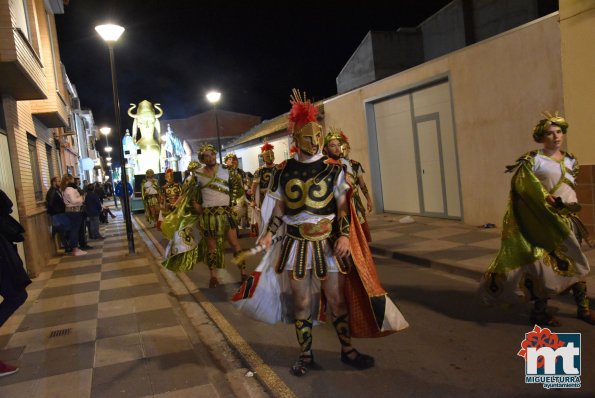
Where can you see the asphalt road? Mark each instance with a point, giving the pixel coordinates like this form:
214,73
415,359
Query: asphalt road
455,346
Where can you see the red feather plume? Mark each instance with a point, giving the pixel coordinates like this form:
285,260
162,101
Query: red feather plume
266,147
302,111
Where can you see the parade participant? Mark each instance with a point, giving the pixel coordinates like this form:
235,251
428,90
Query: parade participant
262,179
179,225
355,177
171,192
240,205
150,194
320,249
540,253
219,190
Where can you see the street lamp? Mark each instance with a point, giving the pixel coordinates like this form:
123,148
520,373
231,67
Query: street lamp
111,33
105,131
213,97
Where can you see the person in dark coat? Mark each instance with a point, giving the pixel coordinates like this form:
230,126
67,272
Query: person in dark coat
13,278
55,206
93,208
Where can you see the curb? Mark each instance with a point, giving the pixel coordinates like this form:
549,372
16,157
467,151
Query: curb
427,263
223,354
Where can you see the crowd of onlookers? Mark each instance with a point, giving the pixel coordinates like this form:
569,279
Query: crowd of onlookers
76,209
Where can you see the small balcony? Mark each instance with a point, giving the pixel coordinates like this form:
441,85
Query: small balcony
20,67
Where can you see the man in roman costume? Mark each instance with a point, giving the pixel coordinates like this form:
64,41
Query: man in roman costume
239,205
262,179
220,188
171,192
150,195
320,248
336,146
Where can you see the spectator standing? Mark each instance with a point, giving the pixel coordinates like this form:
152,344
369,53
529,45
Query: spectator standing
73,202
55,206
120,191
93,208
13,278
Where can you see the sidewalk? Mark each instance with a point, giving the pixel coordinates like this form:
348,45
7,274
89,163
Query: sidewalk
106,325
447,245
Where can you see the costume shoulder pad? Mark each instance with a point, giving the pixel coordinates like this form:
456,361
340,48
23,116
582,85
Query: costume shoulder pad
528,157
333,161
277,171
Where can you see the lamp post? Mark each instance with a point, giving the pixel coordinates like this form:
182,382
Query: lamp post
213,97
105,131
110,34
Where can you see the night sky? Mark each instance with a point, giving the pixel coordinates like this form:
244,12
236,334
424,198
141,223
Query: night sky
173,52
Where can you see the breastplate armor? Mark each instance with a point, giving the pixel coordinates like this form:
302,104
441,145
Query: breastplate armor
172,192
308,186
265,177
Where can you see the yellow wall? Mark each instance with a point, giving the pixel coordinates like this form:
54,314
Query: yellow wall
577,29
499,88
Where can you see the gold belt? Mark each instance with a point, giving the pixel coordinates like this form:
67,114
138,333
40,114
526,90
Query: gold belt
311,231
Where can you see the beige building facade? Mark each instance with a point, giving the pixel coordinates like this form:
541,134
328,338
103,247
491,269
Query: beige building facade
577,28
34,114
435,139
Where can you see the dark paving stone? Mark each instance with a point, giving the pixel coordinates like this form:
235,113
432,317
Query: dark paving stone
117,259
396,242
58,317
119,273
11,354
88,256
128,379
4,340
117,326
176,371
90,269
459,253
156,319
129,292
68,290
471,237
52,362
410,228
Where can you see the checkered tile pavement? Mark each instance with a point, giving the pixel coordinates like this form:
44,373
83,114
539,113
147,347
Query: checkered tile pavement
104,325
443,244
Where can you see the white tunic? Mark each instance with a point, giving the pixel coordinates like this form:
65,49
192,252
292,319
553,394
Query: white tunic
555,176
220,182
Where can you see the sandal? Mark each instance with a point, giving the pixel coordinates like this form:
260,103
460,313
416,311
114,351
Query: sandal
213,282
586,315
360,361
544,320
304,363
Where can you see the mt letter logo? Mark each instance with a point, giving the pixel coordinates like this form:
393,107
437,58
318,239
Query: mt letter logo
552,359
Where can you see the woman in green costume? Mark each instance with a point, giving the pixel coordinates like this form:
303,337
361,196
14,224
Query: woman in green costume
540,254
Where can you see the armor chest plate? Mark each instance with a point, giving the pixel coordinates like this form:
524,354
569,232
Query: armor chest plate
172,192
265,177
309,187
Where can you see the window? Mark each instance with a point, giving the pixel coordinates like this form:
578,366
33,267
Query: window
21,18
48,153
36,175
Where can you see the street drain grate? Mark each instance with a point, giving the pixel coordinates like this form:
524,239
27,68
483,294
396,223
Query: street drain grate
60,333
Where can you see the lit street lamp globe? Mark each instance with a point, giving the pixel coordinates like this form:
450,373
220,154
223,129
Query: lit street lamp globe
110,32
213,96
